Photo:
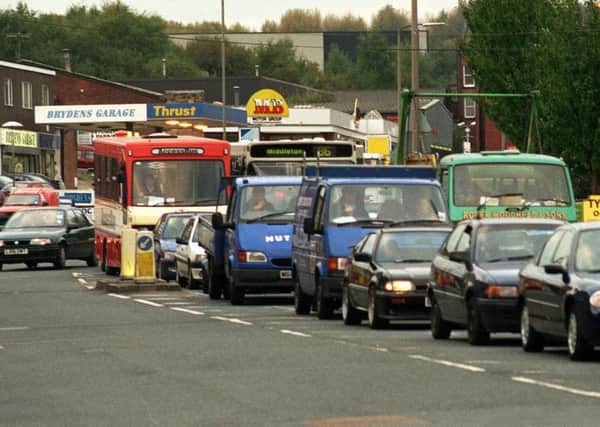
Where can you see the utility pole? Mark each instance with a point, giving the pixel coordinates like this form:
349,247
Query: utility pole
414,42
223,69
18,37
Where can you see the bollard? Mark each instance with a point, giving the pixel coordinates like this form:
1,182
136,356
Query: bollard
128,245
144,256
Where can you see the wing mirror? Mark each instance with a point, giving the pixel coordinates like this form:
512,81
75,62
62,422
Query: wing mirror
558,269
462,256
363,257
309,226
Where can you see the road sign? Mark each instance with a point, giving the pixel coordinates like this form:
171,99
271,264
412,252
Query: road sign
591,208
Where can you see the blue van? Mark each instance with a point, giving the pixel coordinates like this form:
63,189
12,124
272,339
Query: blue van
250,248
336,207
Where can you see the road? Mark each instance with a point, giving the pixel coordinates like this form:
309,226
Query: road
74,356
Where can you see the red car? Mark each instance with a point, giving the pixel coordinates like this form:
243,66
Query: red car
24,198
85,157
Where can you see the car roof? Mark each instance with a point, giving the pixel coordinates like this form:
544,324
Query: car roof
582,226
268,180
420,228
371,181
32,190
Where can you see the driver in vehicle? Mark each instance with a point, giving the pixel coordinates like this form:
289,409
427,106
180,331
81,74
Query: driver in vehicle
258,202
349,204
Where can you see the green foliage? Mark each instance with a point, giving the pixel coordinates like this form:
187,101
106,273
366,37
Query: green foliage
390,19
545,45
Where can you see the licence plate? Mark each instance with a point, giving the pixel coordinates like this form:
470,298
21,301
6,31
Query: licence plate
285,274
427,302
20,251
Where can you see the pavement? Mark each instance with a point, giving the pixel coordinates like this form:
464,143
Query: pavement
72,355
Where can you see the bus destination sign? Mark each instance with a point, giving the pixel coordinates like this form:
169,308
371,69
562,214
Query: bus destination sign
300,150
177,150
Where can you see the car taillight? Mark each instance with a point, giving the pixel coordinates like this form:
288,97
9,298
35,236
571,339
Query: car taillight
242,256
501,291
336,263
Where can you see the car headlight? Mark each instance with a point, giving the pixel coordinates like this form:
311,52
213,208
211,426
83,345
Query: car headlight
250,256
169,256
1,243
595,300
40,242
399,286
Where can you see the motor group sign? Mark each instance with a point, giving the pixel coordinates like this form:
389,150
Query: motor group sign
266,105
591,208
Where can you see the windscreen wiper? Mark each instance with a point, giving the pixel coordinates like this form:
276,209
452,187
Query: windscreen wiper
510,258
549,199
269,215
401,260
417,222
366,222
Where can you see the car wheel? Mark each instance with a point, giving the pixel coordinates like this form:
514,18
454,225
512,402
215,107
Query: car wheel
302,301
178,277
92,261
61,258
375,322
31,264
190,278
531,340
350,314
440,329
1,266
236,294
324,305
478,335
579,348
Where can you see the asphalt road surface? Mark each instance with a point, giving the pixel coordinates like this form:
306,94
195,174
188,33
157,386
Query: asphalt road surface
72,356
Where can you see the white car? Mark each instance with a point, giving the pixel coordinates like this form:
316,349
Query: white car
190,258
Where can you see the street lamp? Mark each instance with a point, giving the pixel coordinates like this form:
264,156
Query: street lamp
467,140
10,125
223,69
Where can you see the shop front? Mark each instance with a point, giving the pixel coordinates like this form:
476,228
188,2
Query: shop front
27,151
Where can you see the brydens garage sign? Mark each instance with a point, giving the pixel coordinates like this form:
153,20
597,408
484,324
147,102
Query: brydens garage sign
90,113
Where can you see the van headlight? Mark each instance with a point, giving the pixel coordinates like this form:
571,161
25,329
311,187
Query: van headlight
40,242
251,256
595,301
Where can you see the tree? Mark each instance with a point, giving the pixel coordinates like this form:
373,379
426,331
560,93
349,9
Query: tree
376,63
545,45
389,19
206,55
347,22
278,60
300,20
340,71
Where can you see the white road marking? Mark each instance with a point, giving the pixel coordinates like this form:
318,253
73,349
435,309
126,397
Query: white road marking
161,298
485,362
84,283
240,322
177,303
447,363
185,310
295,333
381,349
231,320
277,307
153,304
1,347
14,328
576,391
151,295
119,296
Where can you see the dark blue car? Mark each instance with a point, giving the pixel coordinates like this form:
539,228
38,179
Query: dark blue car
167,229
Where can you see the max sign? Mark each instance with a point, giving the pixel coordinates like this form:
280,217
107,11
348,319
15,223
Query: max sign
267,105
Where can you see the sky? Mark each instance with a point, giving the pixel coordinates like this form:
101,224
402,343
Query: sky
248,13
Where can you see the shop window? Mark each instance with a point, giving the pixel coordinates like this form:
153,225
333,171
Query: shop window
8,92
470,108
26,95
45,95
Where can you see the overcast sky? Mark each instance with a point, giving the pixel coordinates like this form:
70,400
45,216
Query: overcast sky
249,13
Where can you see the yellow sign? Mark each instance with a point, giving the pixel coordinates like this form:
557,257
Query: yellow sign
267,104
379,145
591,208
18,138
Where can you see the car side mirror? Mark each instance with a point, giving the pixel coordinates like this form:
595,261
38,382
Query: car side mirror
217,221
462,256
180,241
309,226
557,269
362,257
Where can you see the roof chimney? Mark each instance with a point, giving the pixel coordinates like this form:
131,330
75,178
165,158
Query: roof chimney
67,58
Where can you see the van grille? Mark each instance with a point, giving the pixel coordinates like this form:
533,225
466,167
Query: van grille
282,262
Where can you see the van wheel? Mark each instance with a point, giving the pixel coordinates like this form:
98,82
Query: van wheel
236,294
31,264
302,301
324,305
190,279
92,261
103,262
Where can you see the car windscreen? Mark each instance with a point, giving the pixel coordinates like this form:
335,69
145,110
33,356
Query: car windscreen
37,218
174,226
587,255
22,200
394,203
510,242
409,246
268,202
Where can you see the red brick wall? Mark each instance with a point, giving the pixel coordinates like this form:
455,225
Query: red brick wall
492,136
69,159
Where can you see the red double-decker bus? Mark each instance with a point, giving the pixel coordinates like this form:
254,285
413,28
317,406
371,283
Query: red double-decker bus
137,179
